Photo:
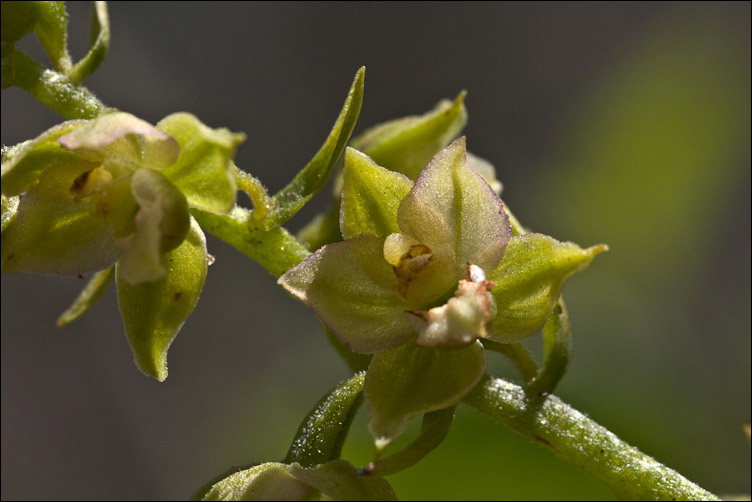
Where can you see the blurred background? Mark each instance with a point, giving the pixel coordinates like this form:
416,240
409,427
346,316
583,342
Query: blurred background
622,123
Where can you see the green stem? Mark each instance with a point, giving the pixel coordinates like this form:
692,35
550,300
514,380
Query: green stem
581,441
55,91
276,250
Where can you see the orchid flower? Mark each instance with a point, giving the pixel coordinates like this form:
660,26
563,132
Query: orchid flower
420,278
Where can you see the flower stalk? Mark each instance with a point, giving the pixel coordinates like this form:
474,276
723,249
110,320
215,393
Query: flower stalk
631,474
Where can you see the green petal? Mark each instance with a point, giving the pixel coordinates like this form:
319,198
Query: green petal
269,481
122,134
162,222
409,381
340,480
23,163
54,234
370,197
153,312
451,204
351,288
529,281
313,177
204,171
407,145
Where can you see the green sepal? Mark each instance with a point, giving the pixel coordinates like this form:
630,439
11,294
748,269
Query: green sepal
340,480
323,431
314,176
352,289
433,430
529,281
10,208
52,233
23,163
557,343
267,481
409,381
370,197
153,312
406,145
204,170
451,204
99,44
91,293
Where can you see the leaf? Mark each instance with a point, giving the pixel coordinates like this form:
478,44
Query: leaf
314,176
323,431
23,163
268,481
204,171
433,430
409,381
370,197
340,480
90,295
351,288
529,281
99,44
406,145
53,233
153,312
451,204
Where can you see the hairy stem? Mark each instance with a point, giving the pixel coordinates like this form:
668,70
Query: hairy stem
54,90
630,473
276,250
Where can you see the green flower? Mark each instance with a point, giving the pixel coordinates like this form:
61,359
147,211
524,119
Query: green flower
422,276
116,190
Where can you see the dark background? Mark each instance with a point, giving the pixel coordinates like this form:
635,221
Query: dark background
623,123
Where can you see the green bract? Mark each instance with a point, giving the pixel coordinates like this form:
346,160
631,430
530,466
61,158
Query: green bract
421,276
116,189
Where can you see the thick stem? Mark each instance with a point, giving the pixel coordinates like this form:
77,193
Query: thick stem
276,250
576,438
55,91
